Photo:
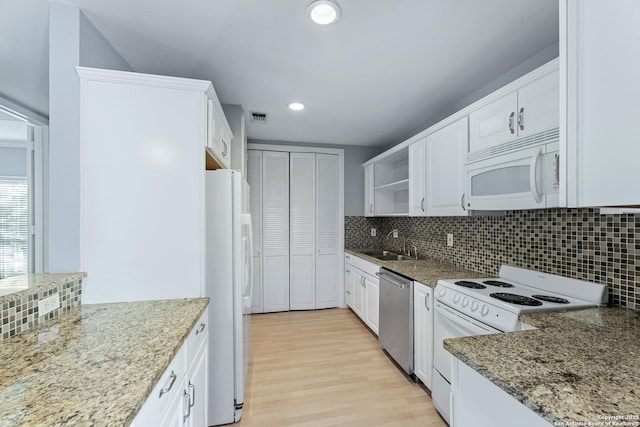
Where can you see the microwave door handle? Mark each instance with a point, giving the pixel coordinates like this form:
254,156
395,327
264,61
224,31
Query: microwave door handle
533,176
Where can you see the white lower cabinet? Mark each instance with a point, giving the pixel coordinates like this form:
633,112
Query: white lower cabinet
180,397
477,402
422,332
364,285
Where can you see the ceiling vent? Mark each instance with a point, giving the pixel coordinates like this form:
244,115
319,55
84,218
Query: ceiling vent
258,117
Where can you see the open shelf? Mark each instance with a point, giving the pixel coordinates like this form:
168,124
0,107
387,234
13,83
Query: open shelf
403,184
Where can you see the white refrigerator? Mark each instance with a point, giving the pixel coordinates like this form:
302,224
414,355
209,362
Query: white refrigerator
228,285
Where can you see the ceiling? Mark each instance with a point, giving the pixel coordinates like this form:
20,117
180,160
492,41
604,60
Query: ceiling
385,69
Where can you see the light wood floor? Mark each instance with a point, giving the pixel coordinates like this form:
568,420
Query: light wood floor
324,368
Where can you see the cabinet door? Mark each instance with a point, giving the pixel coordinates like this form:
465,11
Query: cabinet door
348,285
445,151
197,390
372,292
254,178
493,124
539,105
603,107
327,194
275,232
174,413
368,191
417,177
423,332
302,291
358,292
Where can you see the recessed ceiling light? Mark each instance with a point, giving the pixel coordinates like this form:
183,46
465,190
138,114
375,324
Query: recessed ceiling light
296,106
323,12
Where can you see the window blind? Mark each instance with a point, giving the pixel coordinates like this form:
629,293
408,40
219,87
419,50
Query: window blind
14,227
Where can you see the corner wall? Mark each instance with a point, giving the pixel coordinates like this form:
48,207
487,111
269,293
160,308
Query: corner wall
73,41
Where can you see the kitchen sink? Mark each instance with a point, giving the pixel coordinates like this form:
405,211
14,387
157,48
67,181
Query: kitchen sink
394,257
387,255
379,253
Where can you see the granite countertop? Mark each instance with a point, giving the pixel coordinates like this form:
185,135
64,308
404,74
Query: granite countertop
425,270
580,365
9,286
94,365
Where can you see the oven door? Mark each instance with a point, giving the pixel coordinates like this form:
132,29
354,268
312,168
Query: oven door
449,323
524,179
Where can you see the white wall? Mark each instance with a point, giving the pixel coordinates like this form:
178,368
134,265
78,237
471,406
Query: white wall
73,40
24,53
354,157
540,58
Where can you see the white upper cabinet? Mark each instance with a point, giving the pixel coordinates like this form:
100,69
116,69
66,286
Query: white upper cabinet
368,190
445,151
494,123
531,109
219,134
387,184
599,40
417,175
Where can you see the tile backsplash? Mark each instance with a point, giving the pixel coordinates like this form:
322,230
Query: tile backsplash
19,310
577,243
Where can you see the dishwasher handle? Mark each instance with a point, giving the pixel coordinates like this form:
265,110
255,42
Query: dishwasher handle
392,279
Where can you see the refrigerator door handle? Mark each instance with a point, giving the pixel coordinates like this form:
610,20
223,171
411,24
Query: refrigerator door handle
246,221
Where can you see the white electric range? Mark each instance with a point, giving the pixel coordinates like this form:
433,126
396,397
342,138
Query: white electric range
469,307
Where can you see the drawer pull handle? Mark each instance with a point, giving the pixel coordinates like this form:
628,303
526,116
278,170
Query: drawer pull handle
201,328
187,406
172,379
192,395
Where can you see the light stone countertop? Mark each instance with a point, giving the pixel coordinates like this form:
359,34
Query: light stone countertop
94,365
426,270
578,366
9,286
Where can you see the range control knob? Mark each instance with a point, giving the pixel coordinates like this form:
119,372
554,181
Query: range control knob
456,298
465,301
485,310
474,306
441,291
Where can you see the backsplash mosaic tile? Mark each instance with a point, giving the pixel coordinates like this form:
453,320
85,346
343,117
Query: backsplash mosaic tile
19,310
577,243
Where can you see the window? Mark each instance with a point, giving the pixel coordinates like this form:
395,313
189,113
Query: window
14,227
21,197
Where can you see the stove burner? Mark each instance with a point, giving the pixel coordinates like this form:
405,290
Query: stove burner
515,299
469,284
498,283
549,298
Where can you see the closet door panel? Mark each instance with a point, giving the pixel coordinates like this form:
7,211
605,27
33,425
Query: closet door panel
303,240
275,235
254,178
327,230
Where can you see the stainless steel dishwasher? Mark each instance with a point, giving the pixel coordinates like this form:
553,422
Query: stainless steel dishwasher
396,318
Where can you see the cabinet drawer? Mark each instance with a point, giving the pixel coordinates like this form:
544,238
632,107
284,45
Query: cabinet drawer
162,395
364,265
198,335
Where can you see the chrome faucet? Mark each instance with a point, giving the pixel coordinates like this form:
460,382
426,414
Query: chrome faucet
404,240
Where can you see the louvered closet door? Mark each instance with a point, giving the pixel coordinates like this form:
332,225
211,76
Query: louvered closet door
302,292
327,230
275,231
254,178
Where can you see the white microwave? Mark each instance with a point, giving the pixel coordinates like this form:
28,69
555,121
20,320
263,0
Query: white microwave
527,178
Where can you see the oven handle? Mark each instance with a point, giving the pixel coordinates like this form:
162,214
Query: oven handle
456,318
